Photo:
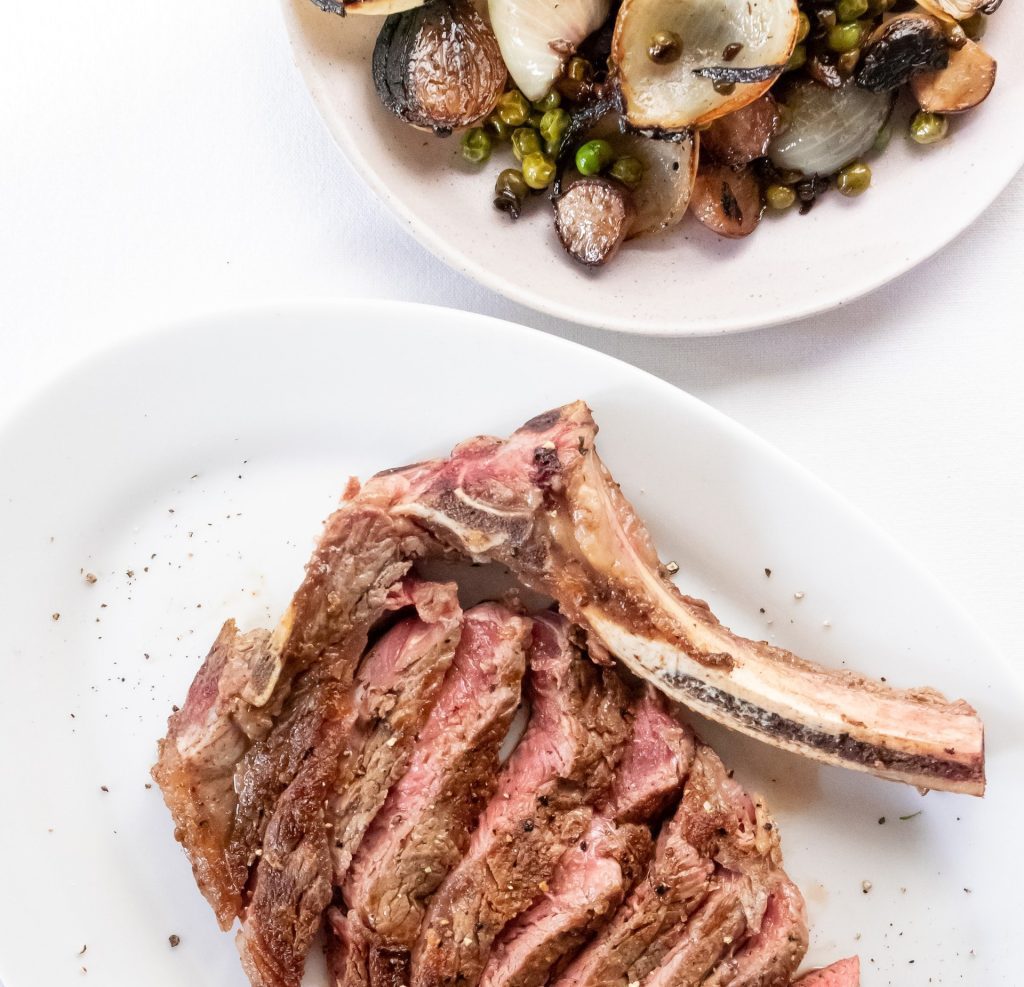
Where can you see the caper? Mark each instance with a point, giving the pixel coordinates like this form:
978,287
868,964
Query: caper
476,145
538,170
664,47
628,170
730,51
779,197
552,101
797,60
593,157
553,126
509,191
847,62
928,128
804,27
851,10
826,17
498,128
525,140
854,179
845,37
723,88
974,26
513,108
579,70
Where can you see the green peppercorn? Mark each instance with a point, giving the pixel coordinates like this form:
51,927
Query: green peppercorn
593,157
538,170
510,190
664,47
854,179
805,27
628,170
498,128
928,128
513,108
779,197
553,126
845,37
525,140
552,101
974,26
851,10
476,145
797,60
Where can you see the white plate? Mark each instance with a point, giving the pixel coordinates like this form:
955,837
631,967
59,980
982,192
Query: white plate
202,460
686,281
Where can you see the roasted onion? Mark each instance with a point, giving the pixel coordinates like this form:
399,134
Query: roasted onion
438,66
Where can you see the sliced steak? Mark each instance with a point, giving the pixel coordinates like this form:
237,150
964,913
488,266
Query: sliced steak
654,764
196,765
542,806
591,879
424,826
543,503
842,973
770,957
363,740
711,933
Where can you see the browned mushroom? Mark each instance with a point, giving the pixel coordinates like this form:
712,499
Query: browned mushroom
742,136
961,85
438,66
900,47
592,219
727,201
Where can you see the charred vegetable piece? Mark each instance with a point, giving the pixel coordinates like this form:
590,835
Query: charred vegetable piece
592,219
727,201
828,128
900,47
961,85
438,66
696,88
740,137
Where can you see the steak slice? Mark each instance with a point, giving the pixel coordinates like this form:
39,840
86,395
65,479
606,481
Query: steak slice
710,934
364,734
842,973
542,805
591,879
424,826
543,503
196,763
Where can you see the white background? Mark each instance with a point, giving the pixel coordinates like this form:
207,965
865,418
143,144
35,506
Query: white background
158,159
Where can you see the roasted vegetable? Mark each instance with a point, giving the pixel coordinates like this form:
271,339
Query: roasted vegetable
900,47
962,84
740,137
592,219
438,66
727,201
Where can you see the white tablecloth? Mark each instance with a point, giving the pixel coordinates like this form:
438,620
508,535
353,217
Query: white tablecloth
158,159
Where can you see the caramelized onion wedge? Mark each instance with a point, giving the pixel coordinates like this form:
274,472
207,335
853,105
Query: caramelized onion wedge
670,169
537,36
438,66
727,201
673,96
740,137
828,128
961,85
592,218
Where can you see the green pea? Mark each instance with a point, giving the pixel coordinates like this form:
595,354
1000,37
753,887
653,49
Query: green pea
525,140
579,70
513,108
501,130
553,126
510,190
845,37
797,60
850,10
535,118
552,101
854,179
538,170
928,128
974,26
805,27
476,145
593,157
779,197
628,170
